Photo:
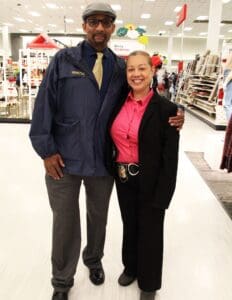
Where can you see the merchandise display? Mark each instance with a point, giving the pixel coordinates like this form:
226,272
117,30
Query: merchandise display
8,89
32,63
19,82
198,88
110,113
2,77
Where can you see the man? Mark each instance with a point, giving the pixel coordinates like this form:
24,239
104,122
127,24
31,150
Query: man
68,131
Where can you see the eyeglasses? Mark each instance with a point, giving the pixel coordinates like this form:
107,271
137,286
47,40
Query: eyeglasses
106,23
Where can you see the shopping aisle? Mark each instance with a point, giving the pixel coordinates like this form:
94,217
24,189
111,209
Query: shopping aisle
198,233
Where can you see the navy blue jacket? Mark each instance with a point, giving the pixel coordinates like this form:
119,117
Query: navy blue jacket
69,117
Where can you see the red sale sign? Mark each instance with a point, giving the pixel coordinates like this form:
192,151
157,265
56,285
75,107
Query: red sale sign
182,15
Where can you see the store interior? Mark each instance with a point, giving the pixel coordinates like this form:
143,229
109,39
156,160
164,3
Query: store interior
198,228
202,42
198,231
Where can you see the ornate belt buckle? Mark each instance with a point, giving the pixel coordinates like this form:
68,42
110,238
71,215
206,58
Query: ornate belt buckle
122,173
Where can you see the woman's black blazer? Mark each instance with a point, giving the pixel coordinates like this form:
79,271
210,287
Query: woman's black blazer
158,151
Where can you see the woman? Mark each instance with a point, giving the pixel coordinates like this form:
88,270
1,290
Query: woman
146,166
226,162
227,78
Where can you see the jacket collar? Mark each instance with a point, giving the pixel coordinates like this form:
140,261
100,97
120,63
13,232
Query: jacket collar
75,55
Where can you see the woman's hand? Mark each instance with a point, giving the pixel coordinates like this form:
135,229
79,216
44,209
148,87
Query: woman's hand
178,120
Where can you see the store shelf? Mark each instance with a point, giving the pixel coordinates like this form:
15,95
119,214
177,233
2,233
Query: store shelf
209,120
198,91
33,63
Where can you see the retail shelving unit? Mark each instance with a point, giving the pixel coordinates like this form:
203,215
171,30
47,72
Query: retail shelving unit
2,85
33,63
8,91
2,76
198,91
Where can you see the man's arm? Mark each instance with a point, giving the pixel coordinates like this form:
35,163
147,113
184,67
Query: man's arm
42,121
178,120
43,114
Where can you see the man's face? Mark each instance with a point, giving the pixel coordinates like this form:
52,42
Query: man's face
98,29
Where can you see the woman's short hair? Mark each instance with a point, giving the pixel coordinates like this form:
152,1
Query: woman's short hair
141,52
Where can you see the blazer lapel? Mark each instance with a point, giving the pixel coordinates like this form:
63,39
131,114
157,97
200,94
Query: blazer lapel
151,110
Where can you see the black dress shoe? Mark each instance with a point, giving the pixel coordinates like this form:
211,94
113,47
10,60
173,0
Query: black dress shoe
97,276
60,296
125,280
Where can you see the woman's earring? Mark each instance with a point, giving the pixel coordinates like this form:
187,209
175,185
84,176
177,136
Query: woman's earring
151,84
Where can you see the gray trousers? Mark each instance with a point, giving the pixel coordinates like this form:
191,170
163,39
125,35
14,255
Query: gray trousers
66,239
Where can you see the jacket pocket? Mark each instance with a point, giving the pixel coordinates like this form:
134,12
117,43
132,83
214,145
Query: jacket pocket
68,139
71,73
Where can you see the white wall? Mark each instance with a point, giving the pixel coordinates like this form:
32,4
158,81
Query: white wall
191,47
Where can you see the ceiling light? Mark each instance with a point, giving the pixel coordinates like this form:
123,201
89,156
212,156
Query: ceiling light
169,23
118,21
52,25
116,7
19,19
202,18
23,30
145,16
34,14
68,20
188,28
203,33
8,24
143,27
162,32
226,1
221,36
150,0
177,9
52,5
40,29
230,30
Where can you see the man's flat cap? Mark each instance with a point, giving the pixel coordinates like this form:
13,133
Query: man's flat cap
98,8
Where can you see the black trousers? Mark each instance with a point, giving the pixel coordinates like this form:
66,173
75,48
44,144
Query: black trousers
142,246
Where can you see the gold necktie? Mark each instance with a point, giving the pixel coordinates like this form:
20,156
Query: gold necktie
97,68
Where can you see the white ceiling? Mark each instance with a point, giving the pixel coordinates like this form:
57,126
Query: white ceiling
160,10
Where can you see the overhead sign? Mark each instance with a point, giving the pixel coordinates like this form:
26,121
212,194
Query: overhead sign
124,47
182,15
42,41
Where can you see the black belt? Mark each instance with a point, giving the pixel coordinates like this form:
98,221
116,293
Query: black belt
124,170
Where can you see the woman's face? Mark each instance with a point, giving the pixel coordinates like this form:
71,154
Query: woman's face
139,73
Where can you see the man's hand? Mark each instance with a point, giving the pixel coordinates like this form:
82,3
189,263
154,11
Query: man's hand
178,120
53,166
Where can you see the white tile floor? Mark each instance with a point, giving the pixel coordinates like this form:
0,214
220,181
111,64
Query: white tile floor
198,233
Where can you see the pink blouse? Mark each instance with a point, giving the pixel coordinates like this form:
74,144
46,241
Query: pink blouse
125,128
